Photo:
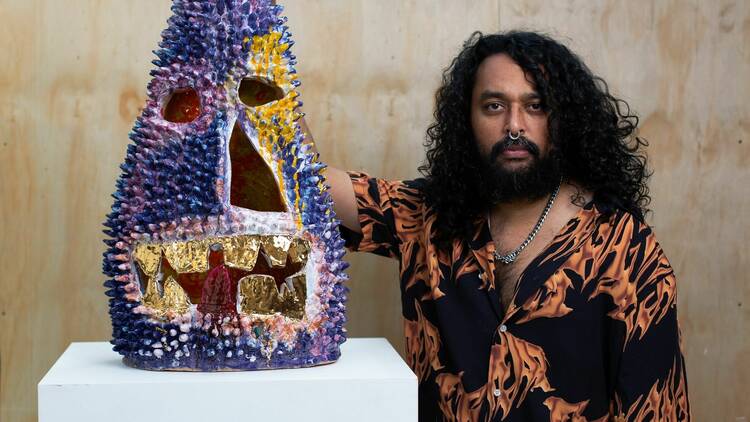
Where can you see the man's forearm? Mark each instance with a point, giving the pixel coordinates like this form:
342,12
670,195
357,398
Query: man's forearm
342,192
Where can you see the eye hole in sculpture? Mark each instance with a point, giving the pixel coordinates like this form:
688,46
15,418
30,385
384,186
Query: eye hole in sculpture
183,106
253,185
254,92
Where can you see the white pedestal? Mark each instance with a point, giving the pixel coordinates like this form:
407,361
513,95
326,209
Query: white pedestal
370,382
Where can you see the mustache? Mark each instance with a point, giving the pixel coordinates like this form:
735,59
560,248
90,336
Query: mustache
507,142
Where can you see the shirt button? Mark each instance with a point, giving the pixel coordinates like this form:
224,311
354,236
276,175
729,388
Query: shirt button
497,392
503,328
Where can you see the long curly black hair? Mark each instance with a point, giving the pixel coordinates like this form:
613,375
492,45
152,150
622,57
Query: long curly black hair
593,132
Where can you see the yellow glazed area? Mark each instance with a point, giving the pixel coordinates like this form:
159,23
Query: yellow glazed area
275,121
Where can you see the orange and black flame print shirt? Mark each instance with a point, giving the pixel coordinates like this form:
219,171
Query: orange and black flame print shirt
591,333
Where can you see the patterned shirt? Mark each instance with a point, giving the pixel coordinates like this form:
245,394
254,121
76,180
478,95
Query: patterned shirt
591,333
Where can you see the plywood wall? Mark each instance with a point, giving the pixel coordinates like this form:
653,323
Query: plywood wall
73,75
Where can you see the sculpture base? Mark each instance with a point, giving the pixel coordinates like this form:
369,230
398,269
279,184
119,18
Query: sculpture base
158,368
369,382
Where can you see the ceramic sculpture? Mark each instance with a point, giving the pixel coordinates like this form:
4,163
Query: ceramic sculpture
223,250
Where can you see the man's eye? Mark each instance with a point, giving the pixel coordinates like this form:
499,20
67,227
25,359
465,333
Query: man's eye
493,106
536,107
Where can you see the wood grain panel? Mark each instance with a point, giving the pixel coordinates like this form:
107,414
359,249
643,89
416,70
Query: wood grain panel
73,78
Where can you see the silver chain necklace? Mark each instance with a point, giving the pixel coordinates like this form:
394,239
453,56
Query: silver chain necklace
512,255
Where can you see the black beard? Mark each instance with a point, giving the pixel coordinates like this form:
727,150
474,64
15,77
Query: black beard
535,181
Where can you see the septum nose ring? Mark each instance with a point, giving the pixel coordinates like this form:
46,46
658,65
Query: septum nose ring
515,138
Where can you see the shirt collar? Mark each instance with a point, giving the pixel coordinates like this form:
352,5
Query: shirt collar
568,239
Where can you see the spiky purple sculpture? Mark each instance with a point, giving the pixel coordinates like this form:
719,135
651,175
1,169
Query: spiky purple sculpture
223,250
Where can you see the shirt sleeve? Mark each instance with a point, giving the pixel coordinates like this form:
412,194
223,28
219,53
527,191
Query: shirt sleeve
389,213
651,383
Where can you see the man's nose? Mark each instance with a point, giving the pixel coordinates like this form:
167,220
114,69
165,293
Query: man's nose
516,123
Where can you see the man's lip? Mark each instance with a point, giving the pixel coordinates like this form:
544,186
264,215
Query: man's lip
515,153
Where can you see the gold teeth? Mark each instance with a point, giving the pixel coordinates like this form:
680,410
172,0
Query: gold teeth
149,258
259,295
187,257
298,250
293,299
275,248
173,298
239,252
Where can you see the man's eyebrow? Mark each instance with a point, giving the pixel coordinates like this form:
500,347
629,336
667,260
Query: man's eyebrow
485,95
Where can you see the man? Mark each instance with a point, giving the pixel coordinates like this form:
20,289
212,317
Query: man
532,288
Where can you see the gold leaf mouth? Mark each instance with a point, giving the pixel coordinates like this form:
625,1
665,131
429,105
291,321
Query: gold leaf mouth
224,276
